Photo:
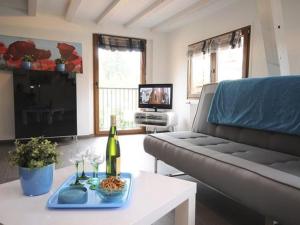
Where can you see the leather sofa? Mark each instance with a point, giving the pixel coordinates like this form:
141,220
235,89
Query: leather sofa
259,169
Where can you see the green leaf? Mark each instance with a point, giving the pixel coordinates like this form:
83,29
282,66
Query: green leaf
37,152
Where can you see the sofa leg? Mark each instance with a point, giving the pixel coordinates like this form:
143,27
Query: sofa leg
176,174
155,164
269,221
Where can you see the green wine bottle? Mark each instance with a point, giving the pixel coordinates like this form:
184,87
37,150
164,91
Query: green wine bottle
113,151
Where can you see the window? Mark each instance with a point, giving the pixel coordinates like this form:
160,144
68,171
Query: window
224,57
119,77
229,64
200,65
119,67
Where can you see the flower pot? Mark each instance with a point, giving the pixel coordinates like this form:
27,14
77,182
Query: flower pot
36,181
26,65
60,67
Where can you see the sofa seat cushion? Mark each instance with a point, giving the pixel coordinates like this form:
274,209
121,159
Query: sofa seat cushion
277,160
236,153
257,177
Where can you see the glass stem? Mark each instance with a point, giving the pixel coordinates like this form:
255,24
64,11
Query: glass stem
77,173
83,173
95,172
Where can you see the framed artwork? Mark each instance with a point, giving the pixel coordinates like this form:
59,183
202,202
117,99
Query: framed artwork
43,53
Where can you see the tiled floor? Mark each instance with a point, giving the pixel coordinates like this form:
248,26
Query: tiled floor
212,208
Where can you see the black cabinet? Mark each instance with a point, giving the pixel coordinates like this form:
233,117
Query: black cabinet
45,104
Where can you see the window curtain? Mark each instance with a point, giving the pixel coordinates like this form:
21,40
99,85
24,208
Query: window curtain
114,43
229,40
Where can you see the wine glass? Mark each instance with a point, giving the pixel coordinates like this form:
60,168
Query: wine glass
76,161
95,160
84,155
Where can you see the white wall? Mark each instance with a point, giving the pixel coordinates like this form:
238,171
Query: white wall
166,54
239,14
291,18
55,28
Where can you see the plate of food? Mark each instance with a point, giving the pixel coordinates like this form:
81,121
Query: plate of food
112,188
111,192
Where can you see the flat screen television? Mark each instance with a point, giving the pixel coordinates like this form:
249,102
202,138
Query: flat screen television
155,96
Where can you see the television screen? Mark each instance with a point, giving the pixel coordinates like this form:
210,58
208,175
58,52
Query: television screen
157,96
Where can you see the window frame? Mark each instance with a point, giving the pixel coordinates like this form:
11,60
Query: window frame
97,131
246,32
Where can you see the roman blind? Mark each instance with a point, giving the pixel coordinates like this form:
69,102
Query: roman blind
229,40
113,43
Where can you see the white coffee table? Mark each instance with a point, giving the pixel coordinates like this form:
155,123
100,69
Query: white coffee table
153,196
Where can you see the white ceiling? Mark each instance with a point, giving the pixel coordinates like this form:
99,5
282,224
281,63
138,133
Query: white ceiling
152,14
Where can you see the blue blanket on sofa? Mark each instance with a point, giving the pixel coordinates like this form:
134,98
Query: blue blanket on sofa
268,103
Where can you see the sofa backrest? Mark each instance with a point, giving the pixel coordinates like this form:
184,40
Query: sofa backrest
280,142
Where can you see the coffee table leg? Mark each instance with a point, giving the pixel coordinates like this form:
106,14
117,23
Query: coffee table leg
185,212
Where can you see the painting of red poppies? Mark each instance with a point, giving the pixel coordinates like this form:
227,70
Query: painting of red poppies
43,53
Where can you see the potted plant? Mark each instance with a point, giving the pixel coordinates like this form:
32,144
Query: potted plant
60,64
35,160
26,61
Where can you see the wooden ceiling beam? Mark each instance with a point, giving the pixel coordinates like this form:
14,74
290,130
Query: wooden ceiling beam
32,7
72,9
154,5
107,10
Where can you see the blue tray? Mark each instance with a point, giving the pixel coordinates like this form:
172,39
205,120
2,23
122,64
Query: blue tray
94,200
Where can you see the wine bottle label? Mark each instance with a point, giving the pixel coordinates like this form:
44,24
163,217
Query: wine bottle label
118,166
113,166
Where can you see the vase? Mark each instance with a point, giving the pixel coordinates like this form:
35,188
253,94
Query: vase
26,65
60,67
36,181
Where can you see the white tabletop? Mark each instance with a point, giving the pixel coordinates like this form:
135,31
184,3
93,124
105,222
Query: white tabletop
152,197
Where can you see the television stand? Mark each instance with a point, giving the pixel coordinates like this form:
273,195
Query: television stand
157,121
